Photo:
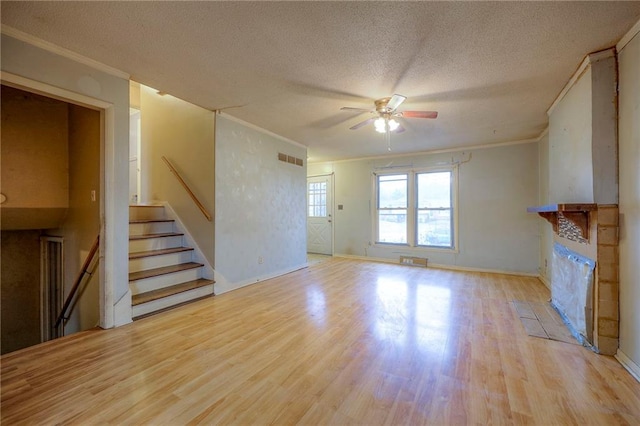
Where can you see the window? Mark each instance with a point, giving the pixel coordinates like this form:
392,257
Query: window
392,208
415,208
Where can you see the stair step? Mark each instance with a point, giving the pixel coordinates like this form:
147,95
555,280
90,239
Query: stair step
149,253
169,291
140,275
135,221
148,236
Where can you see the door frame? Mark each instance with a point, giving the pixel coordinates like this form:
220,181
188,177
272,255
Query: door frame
107,187
331,205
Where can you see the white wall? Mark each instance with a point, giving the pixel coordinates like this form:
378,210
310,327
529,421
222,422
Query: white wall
629,146
260,206
583,152
495,188
58,72
184,134
570,165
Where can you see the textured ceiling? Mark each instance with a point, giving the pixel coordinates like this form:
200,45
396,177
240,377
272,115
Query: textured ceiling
491,69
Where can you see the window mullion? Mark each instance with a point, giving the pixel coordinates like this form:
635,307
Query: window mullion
411,209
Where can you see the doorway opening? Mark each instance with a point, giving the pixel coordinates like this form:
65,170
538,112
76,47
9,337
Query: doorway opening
134,156
52,180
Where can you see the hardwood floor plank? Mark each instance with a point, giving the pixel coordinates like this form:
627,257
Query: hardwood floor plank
341,342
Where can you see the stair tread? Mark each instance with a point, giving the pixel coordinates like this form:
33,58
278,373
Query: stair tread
150,253
148,273
136,221
160,235
169,291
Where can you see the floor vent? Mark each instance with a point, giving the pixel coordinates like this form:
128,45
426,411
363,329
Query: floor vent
414,261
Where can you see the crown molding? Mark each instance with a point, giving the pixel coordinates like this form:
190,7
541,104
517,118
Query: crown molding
584,65
438,151
628,36
61,51
260,129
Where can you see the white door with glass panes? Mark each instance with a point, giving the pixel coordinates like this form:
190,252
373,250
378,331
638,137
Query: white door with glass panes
319,215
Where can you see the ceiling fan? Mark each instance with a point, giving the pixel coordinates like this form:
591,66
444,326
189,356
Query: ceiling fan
386,114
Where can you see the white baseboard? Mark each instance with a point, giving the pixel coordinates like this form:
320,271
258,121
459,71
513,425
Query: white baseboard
223,285
628,364
439,266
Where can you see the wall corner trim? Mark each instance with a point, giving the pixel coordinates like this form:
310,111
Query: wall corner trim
586,62
543,133
53,48
260,129
628,36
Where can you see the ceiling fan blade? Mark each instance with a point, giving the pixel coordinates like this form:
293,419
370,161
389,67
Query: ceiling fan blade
400,129
419,114
362,123
395,102
354,109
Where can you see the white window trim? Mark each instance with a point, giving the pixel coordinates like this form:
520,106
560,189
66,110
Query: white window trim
411,207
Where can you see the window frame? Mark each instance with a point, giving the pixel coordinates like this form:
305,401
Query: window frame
377,209
413,210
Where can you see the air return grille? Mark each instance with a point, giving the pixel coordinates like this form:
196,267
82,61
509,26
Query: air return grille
290,159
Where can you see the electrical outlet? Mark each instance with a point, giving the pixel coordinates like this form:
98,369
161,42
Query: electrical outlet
260,260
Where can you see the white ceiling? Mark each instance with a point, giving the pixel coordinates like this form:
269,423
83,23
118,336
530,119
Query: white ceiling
491,69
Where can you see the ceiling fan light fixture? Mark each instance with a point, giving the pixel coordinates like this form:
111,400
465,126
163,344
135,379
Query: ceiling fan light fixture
384,124
380,124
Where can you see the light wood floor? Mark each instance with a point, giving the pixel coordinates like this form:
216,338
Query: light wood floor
341,342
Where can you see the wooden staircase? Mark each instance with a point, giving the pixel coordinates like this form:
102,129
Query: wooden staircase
162,272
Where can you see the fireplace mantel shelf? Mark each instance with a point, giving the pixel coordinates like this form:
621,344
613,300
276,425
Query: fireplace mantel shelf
578,214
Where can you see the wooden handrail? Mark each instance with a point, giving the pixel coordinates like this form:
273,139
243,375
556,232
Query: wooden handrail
186,187
76,284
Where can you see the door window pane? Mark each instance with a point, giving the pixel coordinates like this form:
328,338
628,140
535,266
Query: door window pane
317,194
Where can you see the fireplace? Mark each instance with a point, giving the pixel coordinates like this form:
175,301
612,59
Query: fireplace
584,280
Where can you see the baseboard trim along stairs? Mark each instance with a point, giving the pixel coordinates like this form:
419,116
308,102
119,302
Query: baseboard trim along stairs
162,270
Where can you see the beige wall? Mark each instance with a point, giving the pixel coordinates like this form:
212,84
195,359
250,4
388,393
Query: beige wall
34,160
570,164
184,134
82,223
20,289
629,146
496,186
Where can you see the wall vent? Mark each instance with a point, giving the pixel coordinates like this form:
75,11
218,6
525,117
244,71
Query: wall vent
414,261
290,159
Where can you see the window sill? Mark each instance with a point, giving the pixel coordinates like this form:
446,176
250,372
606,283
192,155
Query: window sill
420,249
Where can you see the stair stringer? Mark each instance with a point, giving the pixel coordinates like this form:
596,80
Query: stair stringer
188,240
